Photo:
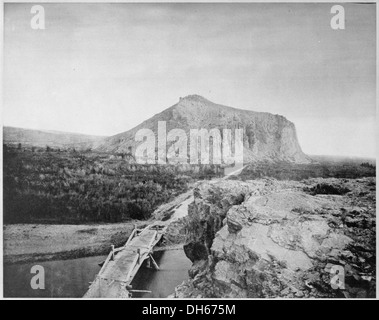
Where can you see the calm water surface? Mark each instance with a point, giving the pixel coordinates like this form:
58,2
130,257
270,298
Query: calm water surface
173,270
70,278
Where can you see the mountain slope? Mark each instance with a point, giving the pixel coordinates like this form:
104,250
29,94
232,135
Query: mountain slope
265,136
41,138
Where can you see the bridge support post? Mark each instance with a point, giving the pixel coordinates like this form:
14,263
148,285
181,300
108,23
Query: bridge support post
139,256
112,252
152,261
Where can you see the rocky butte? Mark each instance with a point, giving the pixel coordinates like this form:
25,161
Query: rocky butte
266,137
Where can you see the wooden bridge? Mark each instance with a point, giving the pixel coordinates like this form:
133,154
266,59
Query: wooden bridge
122,264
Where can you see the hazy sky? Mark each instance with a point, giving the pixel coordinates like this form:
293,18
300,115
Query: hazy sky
104,68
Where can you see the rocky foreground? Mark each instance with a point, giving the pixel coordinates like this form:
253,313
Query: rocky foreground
268,238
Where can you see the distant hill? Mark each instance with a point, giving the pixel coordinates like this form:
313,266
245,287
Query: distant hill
267,137
342,159
43,138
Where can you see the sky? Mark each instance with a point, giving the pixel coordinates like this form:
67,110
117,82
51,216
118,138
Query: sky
102,69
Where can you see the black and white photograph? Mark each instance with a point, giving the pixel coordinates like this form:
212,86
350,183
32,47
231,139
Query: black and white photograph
189,150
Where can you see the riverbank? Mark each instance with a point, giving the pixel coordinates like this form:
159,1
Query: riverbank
37,242
44,242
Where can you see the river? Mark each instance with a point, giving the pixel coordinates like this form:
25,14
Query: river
70,278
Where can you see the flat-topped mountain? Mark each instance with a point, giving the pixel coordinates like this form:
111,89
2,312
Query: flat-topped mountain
266,137
43,138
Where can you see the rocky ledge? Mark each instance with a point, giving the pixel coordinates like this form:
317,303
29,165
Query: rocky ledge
268,238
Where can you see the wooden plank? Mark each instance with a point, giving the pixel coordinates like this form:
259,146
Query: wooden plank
131,269
140,291
153,262
130,237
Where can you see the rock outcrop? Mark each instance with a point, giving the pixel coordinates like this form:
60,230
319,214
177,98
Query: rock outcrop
267,238
265,136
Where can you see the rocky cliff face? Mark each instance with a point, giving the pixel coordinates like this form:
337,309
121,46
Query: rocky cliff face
281,239
265,136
